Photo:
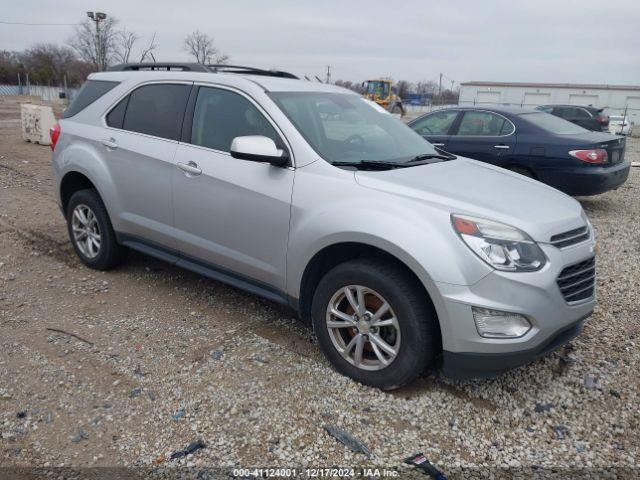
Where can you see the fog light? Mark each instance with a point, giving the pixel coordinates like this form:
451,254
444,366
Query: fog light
498,324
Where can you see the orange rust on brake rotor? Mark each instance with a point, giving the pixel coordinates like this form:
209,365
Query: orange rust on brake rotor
372,303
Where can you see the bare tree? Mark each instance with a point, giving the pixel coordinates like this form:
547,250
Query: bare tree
124,43
425,87
403,88
201,46
47,63
98,49
148,51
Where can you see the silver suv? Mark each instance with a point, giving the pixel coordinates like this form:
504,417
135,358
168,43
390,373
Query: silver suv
400,255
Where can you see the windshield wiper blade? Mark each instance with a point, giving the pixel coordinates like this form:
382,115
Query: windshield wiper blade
429,156
369,164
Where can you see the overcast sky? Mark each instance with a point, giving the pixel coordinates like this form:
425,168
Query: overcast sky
538,40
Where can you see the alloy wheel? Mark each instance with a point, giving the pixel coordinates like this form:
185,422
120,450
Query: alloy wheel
86,231
363,327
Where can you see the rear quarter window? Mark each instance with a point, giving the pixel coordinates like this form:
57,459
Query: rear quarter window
91,91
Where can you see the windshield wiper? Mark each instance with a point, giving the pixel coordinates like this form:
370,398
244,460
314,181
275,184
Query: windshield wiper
429,156
370,164
421,159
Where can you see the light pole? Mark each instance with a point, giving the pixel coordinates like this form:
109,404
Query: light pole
97,17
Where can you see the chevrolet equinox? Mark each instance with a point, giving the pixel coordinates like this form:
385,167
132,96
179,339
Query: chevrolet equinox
399,255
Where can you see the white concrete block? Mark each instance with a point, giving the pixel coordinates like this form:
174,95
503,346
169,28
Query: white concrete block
36,121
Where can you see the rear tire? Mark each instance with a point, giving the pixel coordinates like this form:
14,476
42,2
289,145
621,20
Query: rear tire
91,232
414,337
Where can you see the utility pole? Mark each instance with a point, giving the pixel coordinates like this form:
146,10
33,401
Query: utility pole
440,88
328,74
97,17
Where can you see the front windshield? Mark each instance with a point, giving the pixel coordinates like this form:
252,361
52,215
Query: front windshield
380,89
345,128
553,124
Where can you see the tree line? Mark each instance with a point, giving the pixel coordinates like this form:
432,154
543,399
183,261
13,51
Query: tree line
86,52
405,88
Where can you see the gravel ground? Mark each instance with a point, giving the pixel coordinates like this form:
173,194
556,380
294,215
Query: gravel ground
160,358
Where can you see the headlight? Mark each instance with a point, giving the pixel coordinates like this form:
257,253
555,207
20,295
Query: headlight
501,246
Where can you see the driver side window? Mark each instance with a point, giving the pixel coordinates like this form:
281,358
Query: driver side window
221,115
435,124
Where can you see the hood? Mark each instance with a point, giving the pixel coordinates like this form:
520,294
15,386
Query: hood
469,187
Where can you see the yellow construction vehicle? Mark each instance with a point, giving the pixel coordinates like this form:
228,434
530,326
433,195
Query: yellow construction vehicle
381,92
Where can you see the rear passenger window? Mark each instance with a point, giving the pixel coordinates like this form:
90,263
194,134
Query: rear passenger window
484,124
156,110
221,115
89,93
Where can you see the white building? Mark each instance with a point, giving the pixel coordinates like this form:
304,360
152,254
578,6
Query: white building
613,98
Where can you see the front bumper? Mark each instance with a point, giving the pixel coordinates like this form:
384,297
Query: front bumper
464,365
535,295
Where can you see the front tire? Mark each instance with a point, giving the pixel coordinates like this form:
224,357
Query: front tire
91,232
374,323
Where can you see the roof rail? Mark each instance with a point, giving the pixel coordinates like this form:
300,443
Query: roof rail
197,67
166,66
249,70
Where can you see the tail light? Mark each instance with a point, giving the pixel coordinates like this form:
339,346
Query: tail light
597,155
54,134
603,119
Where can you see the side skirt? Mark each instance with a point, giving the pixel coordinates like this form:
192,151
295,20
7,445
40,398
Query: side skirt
205,269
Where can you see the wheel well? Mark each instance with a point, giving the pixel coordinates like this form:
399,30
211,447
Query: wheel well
71,183
334,255
515,167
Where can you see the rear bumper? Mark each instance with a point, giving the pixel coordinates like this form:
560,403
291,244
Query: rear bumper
588,180
465,365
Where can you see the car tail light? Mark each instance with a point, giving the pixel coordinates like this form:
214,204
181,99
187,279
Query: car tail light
603,119
597,155
54,134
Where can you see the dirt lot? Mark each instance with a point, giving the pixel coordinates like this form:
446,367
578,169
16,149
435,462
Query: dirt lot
160,358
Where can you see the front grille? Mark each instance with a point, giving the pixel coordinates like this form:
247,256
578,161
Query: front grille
578,281
571,237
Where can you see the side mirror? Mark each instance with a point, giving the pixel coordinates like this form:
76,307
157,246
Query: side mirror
258,148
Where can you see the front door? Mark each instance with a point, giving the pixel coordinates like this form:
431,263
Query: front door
230,214
435,127
484,136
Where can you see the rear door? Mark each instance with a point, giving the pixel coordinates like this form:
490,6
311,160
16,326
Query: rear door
139,144
485,136
231,215
435,127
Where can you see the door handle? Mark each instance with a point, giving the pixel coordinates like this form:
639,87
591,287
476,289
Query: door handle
504,147
438,144
110,143
190,168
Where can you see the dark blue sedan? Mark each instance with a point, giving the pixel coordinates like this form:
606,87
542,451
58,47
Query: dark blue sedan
532,143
